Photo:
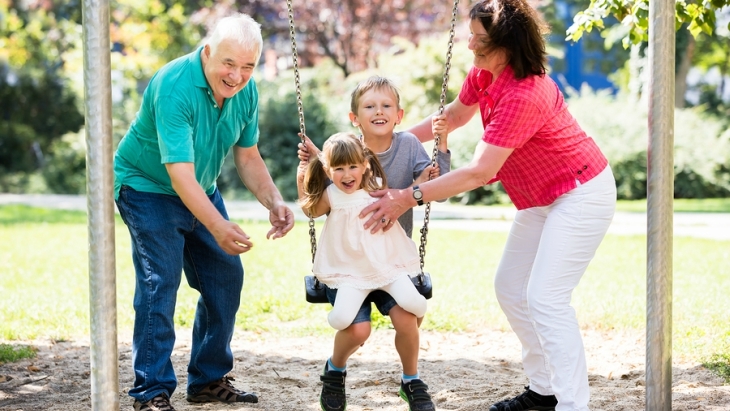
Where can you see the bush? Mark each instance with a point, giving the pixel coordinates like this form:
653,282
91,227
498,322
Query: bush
65,170
620,127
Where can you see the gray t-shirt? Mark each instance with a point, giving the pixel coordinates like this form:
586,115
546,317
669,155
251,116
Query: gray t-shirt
403,162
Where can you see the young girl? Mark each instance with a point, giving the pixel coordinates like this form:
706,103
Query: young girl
376,111
349,258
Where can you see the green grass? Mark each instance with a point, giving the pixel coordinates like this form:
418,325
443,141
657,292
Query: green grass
720,364
10,353
682,205
44,284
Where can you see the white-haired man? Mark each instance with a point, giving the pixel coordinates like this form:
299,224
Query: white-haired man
194,111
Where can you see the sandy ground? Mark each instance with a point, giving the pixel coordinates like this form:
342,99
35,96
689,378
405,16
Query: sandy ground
465,371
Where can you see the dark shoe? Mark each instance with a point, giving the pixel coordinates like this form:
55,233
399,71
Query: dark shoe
222,391
333,396
159,403
528,400
415,393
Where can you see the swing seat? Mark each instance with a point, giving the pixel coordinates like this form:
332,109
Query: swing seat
315,290
316,293
423,284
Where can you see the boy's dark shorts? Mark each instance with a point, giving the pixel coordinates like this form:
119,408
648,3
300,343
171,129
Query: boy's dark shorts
382,300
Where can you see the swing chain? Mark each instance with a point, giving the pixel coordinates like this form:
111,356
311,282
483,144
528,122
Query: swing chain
295,61
300,109
437,138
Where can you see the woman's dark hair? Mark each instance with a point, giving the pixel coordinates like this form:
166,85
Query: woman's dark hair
515,27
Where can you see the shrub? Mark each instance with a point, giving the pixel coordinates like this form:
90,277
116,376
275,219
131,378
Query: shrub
620,127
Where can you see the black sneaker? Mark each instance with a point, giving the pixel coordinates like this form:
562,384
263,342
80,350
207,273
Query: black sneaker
415,393
333,390
159,403
528,400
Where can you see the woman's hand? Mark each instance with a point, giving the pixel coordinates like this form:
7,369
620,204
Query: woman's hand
384,212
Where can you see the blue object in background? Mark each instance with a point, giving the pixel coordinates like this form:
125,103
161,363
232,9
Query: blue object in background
586,61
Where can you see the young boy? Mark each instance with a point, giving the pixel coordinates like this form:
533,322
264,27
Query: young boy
375,110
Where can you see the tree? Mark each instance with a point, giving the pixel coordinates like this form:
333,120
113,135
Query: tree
350,32
633,15
697,17
36,102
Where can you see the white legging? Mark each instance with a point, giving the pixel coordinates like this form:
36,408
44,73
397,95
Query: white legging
547,253
349,300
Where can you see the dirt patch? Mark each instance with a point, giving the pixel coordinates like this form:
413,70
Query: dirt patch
465,371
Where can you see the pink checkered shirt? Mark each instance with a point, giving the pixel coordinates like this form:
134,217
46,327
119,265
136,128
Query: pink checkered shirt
531,116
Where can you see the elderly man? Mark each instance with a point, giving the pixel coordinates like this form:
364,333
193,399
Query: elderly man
195,109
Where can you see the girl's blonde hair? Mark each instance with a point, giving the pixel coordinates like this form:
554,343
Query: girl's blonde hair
340,149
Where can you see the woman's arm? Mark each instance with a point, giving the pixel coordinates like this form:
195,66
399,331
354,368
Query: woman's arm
487,160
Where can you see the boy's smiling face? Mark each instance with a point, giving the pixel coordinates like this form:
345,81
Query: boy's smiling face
377,113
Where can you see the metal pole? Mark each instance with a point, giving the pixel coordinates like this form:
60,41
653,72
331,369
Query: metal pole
100,205
660,189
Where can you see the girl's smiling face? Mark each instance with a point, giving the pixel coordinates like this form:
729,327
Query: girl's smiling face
347,177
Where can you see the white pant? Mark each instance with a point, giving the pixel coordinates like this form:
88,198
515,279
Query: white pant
547,252
349,300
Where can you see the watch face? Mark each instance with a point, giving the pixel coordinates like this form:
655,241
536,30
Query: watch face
417,194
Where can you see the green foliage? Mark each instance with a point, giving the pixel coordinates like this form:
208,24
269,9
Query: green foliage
65,171
701,154
633,15
10,353
720,365
36,112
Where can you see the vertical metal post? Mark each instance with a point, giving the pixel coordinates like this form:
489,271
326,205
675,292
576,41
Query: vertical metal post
100,205
659,206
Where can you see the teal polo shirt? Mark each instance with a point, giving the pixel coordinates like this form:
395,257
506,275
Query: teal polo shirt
180,122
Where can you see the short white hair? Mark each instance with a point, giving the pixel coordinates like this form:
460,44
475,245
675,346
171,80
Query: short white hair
241,28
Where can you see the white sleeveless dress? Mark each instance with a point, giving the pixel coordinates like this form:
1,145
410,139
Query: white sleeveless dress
347,254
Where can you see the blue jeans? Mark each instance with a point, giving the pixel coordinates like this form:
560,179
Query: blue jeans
167,240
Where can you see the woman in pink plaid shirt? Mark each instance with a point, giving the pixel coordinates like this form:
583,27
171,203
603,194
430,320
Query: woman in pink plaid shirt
555,175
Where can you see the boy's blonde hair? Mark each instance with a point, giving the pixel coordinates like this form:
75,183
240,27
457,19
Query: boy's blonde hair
371,83
340,149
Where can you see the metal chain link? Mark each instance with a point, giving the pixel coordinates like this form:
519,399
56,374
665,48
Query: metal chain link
437,138
300,110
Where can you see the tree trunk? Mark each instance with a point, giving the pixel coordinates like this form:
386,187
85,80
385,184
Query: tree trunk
683,66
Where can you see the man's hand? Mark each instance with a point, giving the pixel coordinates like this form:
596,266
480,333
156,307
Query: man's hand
281,219
230,237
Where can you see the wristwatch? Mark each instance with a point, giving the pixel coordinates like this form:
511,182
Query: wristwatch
418,195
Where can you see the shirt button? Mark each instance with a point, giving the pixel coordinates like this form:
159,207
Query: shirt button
580,172
585,167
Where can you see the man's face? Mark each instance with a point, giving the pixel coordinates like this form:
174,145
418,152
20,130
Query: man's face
228,68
